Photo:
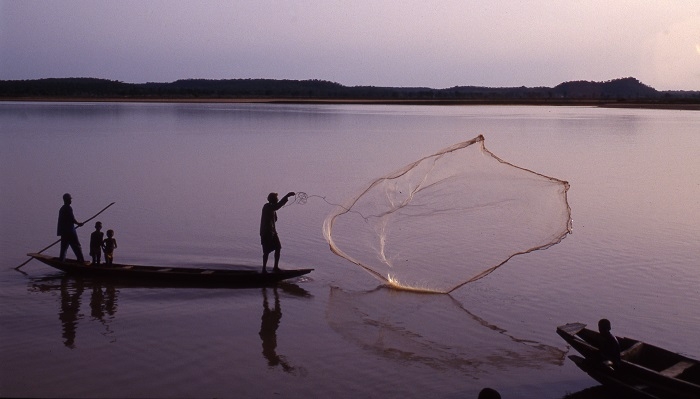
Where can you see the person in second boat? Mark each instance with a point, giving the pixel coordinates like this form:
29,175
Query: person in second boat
609,346
268,233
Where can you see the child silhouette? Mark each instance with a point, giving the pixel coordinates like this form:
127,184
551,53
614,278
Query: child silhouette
96,239
108,246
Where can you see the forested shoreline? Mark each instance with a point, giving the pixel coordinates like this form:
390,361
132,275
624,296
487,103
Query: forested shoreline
618,91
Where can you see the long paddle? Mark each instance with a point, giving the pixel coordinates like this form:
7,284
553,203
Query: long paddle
59,240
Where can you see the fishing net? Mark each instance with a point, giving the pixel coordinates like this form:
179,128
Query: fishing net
448,219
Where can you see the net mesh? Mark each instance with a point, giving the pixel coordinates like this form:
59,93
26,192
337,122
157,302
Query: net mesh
448,219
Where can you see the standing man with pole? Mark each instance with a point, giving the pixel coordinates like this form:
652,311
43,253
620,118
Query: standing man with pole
66,229
268,233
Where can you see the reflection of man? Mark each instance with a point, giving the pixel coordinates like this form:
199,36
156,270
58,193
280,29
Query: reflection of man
66,229
70,307
268,232
270,321
268,328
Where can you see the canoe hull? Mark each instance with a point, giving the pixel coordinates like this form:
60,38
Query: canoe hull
172,276
646,371
627,386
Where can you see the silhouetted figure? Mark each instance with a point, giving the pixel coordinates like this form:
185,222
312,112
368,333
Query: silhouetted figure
103,304
108,246
71,292
268,233
609,347
270,322
489,393
66,229
96,239
111,300
97,300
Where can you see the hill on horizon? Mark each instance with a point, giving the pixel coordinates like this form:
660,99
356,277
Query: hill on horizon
94,88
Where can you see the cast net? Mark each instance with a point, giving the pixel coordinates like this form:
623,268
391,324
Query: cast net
449,219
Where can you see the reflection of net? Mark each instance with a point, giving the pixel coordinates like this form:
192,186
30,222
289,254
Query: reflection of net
404,328
449,219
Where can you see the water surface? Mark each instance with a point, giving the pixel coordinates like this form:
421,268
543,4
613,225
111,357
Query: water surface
189,181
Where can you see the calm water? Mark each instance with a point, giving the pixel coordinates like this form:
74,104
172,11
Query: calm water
189,181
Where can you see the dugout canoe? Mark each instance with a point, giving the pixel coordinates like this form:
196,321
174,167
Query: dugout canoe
185,276
647,371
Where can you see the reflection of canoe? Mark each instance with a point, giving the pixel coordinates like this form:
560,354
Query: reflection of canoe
646,370
173,275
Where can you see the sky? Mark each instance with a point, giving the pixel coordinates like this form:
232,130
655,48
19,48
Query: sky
402,43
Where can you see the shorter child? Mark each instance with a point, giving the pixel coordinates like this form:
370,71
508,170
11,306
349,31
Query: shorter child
96,239
108,246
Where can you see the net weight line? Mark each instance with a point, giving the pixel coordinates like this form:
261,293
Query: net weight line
300,198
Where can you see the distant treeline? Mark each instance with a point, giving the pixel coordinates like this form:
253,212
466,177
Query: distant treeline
626,89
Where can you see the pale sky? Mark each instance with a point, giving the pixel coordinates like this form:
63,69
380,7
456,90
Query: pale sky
428,43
